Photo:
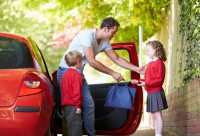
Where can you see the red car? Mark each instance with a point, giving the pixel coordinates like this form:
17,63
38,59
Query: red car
26,91
109,121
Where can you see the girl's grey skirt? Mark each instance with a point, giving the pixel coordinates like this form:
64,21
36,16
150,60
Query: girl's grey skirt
156,101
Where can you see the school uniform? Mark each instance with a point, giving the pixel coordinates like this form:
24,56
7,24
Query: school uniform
154,78
71,86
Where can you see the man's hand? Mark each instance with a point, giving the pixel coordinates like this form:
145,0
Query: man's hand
141,69
78,111
117,76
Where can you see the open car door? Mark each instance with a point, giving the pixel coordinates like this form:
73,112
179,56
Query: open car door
110,121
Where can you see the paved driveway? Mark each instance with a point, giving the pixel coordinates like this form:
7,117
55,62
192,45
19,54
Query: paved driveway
146,132
151,132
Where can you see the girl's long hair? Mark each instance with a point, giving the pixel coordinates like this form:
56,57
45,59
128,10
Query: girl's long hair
158,47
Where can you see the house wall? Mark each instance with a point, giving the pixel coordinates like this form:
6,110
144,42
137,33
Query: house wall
182,116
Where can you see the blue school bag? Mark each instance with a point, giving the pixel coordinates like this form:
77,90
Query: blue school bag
120,97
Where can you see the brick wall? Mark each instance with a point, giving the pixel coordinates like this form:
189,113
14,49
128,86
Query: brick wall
183,114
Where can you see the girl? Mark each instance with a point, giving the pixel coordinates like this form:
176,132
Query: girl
154,78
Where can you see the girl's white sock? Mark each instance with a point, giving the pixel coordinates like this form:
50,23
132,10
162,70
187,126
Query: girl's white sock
158,135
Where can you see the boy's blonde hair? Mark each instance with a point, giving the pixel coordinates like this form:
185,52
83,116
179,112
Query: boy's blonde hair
158,47
73,57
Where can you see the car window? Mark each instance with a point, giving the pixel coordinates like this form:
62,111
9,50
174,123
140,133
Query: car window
95,77
36,51
14,54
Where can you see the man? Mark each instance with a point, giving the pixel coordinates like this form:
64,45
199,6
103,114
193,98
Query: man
89,43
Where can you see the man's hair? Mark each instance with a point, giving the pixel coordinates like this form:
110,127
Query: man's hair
73,57
109,22
158,47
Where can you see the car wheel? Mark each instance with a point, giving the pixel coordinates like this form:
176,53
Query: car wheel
59,111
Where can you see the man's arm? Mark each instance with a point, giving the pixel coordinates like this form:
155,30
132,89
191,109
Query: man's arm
90,56
120,61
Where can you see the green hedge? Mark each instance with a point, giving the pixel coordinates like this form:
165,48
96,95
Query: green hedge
190,32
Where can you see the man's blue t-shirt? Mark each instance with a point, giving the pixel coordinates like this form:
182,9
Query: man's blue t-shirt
86,38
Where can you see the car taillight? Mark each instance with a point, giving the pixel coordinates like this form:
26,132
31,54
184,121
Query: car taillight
31,84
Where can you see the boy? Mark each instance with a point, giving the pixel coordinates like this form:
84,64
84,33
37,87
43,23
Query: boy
71,86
